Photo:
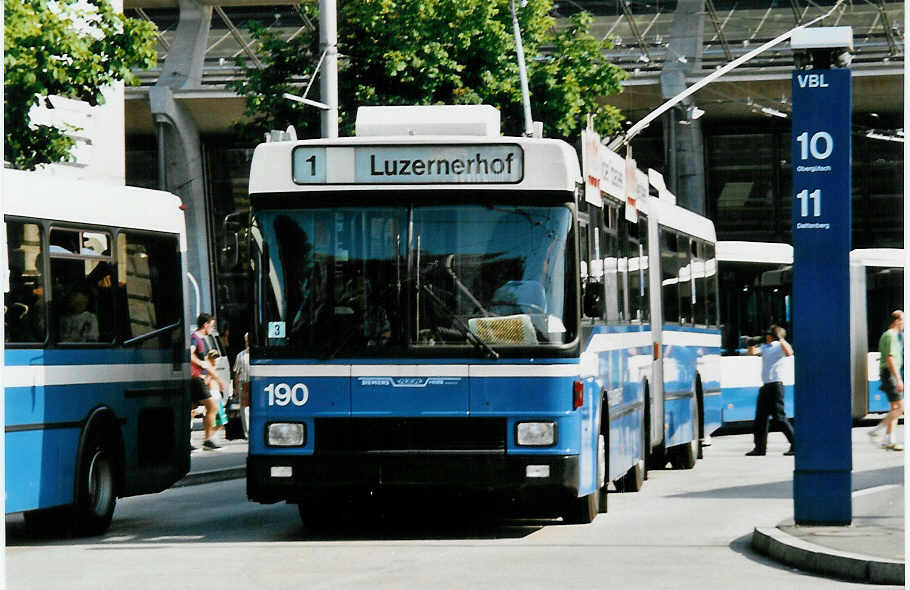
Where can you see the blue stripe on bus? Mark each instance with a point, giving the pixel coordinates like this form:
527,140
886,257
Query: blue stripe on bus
739,403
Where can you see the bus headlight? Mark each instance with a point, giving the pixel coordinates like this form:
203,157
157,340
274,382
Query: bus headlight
535,434
285,434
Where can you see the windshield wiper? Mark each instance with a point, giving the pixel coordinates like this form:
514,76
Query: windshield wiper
460,285
459,323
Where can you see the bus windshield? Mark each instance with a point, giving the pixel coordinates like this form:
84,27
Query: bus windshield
381,280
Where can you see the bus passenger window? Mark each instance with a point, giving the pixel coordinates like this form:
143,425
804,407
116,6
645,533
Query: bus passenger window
637,244
699,300
148,285
685,280
25,302
711,284
83,286
669,264
612,285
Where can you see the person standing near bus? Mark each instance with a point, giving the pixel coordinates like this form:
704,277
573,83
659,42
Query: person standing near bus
201,395
242,383
890,364
770,403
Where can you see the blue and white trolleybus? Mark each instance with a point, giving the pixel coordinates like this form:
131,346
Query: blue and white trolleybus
439,307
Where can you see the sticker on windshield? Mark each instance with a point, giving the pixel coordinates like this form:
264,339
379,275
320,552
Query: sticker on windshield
276,329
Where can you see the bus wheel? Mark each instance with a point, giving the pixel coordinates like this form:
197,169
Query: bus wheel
683,456
95,498
633,479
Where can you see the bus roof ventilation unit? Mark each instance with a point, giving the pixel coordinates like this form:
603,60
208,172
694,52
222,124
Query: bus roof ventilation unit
471,120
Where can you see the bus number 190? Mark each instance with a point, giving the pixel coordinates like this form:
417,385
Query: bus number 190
282,394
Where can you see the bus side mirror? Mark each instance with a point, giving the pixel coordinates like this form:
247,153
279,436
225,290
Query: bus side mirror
231,229
230,252
592,301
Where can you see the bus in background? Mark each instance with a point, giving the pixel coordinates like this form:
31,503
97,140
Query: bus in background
439,307
95,348
876,289
755,292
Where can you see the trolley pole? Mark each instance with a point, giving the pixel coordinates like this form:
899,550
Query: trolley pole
328,83
821,144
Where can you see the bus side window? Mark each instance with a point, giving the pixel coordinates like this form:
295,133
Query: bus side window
642,310
25,302
711,285
612,279
148,285
82,278
669,266
685,279
699,299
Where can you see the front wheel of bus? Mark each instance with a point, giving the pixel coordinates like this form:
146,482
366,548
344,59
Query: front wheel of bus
585,509
96,497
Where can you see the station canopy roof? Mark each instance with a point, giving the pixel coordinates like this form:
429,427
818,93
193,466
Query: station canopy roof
642,33
641,30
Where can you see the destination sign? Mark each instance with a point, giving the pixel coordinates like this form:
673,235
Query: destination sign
409,164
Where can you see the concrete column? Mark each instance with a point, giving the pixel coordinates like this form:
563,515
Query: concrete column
683,140
182,149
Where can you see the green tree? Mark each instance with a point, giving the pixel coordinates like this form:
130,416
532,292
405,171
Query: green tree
69,48
402,52
287,65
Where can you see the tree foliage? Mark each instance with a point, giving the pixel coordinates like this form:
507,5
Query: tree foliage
69,48
404,52
286,63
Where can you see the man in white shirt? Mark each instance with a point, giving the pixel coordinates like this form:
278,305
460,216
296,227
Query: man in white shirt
242,383
770,403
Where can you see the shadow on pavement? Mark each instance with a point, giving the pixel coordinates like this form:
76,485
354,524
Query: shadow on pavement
784,488
192,519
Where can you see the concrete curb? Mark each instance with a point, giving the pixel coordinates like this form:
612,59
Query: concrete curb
806,556
210,476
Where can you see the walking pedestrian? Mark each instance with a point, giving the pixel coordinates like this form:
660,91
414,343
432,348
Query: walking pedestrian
890,365
200,392
770,403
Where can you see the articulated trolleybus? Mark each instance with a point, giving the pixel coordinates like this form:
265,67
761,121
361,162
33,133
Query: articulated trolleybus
94,362
438,308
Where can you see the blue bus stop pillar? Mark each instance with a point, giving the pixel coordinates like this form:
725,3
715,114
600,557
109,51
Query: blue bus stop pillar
822,109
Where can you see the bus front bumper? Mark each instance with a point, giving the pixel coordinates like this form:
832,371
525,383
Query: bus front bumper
298,478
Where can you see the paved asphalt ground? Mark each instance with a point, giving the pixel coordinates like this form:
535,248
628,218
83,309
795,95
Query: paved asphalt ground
871,549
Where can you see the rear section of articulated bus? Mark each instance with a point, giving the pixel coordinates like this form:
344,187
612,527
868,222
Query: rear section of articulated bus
686,296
